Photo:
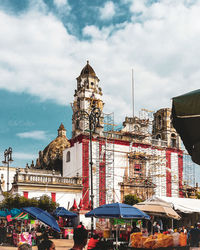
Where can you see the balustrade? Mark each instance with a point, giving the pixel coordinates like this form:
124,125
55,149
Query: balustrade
32,178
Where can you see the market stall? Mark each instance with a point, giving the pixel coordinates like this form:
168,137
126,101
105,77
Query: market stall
117,210
63,214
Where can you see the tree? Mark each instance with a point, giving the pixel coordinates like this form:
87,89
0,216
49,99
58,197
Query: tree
131,199
46,203
17,201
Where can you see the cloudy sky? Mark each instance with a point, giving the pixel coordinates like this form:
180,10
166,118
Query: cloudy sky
44,44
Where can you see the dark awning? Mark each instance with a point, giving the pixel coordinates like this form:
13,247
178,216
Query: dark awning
186,121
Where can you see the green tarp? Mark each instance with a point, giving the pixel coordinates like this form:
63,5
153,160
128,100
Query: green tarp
22,216
186,121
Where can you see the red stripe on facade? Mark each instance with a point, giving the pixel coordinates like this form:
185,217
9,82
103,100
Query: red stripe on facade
180,174
85,173
53,197
102,174
81,137
26,194
168,174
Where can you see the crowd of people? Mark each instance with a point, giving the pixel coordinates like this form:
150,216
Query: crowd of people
80,236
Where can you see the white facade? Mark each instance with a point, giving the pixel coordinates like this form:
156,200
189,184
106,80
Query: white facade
73,164
164,174
3,176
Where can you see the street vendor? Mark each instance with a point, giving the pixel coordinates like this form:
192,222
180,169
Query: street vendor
134,229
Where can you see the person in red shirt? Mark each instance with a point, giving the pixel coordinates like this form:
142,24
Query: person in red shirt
93,242
81,225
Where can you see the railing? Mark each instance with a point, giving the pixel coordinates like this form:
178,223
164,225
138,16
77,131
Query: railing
154,142
160,143
31,178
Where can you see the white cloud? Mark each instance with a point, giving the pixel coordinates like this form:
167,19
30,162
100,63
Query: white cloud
107,11
60,3
62,6
138,6
37,135
162,44
23,156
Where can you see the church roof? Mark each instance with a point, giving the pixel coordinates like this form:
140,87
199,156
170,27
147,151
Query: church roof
51,156
61,127
55,149
88,70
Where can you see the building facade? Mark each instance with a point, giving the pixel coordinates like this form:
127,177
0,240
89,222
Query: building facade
142,158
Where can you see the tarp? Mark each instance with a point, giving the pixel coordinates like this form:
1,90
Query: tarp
155,206
3,213
117,210
12,212
186,121
22,216
184,205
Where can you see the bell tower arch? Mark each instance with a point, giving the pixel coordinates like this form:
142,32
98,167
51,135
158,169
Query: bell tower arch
164,130
87,95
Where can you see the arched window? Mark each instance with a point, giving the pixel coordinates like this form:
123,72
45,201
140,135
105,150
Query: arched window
68,156
159,122
158,137
173,140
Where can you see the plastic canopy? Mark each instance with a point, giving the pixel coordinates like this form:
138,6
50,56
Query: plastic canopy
155,206
22,216
43,216
3,213
61,211
12,212
186,121
117,210
184,205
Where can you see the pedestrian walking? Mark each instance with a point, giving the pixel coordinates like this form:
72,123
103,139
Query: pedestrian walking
47,245
80,238
194,236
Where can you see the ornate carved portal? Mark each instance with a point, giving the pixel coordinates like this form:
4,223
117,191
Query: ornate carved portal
136,181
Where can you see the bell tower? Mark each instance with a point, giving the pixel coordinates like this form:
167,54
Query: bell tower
163,129
88,95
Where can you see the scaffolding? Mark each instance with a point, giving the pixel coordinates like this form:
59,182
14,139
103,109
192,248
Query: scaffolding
104,162
161,165
188,170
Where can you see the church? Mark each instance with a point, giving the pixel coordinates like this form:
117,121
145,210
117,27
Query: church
143,157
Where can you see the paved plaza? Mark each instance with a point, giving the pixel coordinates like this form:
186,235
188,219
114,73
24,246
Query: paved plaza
61,244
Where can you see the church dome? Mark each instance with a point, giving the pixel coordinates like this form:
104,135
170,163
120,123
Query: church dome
88,70
51,157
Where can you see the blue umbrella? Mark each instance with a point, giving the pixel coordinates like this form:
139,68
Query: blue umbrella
43,216
61,211
117,210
